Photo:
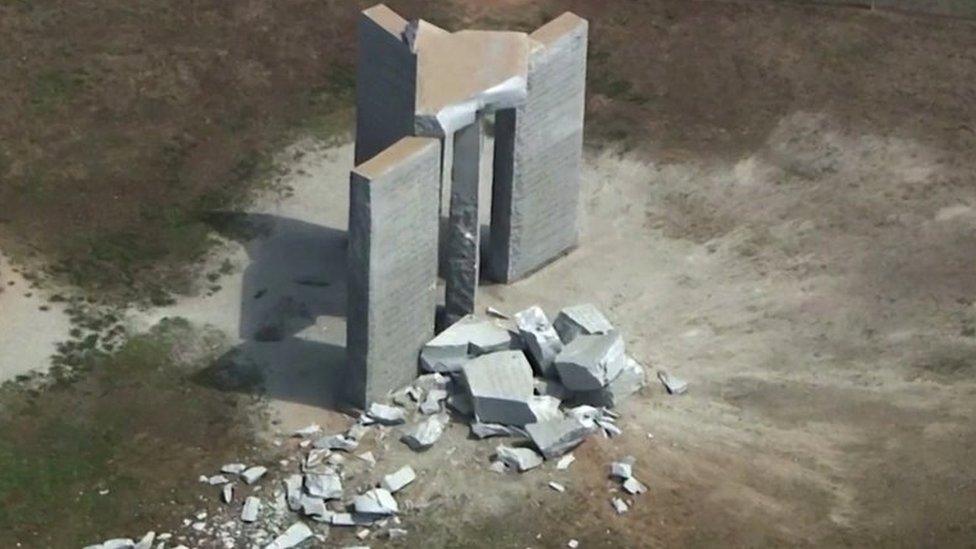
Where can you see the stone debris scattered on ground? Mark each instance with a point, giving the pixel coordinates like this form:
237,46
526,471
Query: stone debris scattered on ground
519,459
674,385
253,474
565,461
394,482
619,506
557,486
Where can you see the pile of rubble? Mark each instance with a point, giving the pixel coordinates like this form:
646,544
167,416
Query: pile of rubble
545,385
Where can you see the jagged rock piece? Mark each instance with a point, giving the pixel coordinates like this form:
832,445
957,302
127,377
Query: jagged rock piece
315,508
545,408
633,486
146,541
251,509
590,362
233,468
227,493
324,485
432,404
500,386
254,474
294,535
584,319
293,491
336,442
376,502
117,543
621,470
217,480
467,338
630,380
520,459
351,519
394,482
540,338
429,382
557,486
488,430
619,506
315,457
387,415
565,461
556,437
674,385
368,457
426,433
307,431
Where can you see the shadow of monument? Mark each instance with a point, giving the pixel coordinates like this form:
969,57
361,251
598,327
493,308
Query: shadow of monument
292,292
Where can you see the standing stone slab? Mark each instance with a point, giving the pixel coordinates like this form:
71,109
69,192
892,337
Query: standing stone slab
463,235
386,82
392,266
538,156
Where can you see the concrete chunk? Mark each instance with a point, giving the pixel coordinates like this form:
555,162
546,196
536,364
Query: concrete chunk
376,502
556,437
254,474
578,320
323,485
520,459
540,338
590,362
387,415
500,386
394,482
423,435
465,339
251,509
294,535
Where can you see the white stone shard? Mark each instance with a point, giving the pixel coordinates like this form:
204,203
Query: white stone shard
619,506
294,535
555,437
324,485
251,509
118,543
545,408
621,470
314,508
424,434
465,339
227,493
217,480
307,431
395,481
540,338
565,461
336,442
488,430
584,319
590,362
376,502
491,311
429,382
387,415
674,385
556,486
432,403
146,541
520,459
293,491
572,544
633,486
254,474
500,387
630,380
363,534
233,468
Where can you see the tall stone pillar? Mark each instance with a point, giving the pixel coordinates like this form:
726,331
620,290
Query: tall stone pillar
393,220
538,156
463,229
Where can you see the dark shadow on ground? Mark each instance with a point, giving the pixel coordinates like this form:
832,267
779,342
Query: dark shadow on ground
292,290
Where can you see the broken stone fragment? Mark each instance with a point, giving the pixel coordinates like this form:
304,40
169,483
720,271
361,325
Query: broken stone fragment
556,486
590,362
545,408
429,382
488,430
674,385
394,482
630,380
621,469
233,468
555,437
500,387
293,491
387,415
117,543
307,431
467,338
315,457
314,508
424,434
324,485
227,493
254,474
294,535
578,320
146,541
541,340
376,502
350,519
217,480
565,461
251,509
619,506
634,486
336,442
520,459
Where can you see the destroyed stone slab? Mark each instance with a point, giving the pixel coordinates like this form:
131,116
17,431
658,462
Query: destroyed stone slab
324,485
630,380
500,385
590,362
583,319
394,482
554,438
540,338
520,459
467,338
423,435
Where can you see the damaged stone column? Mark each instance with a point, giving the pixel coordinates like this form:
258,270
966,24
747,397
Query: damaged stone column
393,202
538,156
463,230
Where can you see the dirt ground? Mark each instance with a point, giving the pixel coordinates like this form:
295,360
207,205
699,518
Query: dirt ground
780,208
